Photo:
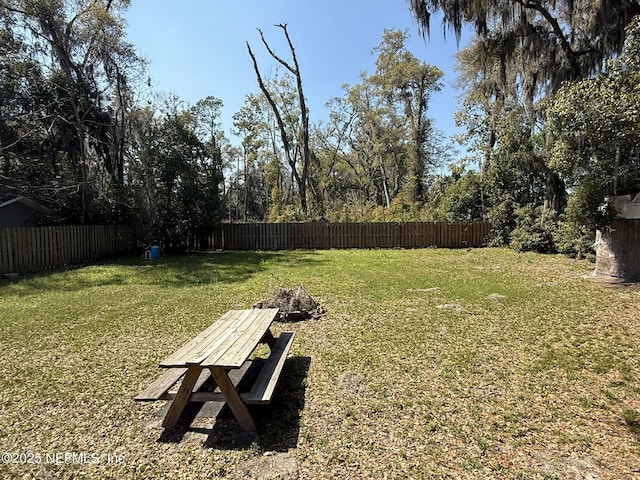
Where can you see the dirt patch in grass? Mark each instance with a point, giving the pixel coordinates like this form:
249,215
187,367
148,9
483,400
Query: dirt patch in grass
272,466
351,383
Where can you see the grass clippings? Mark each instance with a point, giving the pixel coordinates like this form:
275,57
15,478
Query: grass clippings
537,378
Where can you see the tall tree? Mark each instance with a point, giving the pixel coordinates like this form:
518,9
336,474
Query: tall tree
176,175
206,114
79,47
594,134
26,162
382,141
410,82
263,150
377,142
248,129
301,174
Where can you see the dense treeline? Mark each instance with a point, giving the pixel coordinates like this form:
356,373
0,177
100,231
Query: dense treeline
551,120
82,132
79,133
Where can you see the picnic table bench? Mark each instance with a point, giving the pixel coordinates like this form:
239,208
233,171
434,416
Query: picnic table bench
224,346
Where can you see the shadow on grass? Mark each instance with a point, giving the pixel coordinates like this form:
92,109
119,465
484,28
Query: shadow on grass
169,271
278,423
632,422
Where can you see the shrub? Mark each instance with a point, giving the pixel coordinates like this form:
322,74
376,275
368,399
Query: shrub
575,240
502,217
535,230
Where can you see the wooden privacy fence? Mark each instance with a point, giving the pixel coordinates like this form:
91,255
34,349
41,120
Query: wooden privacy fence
277,236
39,248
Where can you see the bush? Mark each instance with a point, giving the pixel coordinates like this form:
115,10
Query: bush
502,217
575,241
535,230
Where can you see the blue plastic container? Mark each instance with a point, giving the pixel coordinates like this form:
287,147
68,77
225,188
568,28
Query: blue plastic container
155,252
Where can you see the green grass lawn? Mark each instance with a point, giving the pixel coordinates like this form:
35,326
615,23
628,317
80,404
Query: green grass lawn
429,364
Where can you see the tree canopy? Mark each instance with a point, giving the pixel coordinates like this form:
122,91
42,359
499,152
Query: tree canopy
548,41
594,133
65,76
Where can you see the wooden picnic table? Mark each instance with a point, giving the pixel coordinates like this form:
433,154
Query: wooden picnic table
224,346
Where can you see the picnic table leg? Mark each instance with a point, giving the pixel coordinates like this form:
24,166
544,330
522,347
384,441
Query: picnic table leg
182,397
230,394
268,338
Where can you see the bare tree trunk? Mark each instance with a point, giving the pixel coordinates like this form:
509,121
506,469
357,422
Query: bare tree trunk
246,183
301,178
384,184
291,159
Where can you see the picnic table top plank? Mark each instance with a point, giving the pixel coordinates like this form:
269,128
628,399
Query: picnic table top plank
226,340
203,338
235,321
244,340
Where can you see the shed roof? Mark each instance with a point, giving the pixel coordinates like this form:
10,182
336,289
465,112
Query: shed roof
628,205
6,201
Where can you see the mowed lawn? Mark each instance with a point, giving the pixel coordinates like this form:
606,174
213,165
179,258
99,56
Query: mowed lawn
434,363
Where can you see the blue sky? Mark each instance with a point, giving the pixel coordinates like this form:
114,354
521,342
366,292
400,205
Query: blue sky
197,48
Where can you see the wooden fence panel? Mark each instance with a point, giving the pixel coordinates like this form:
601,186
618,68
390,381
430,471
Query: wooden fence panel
315,235
32,249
